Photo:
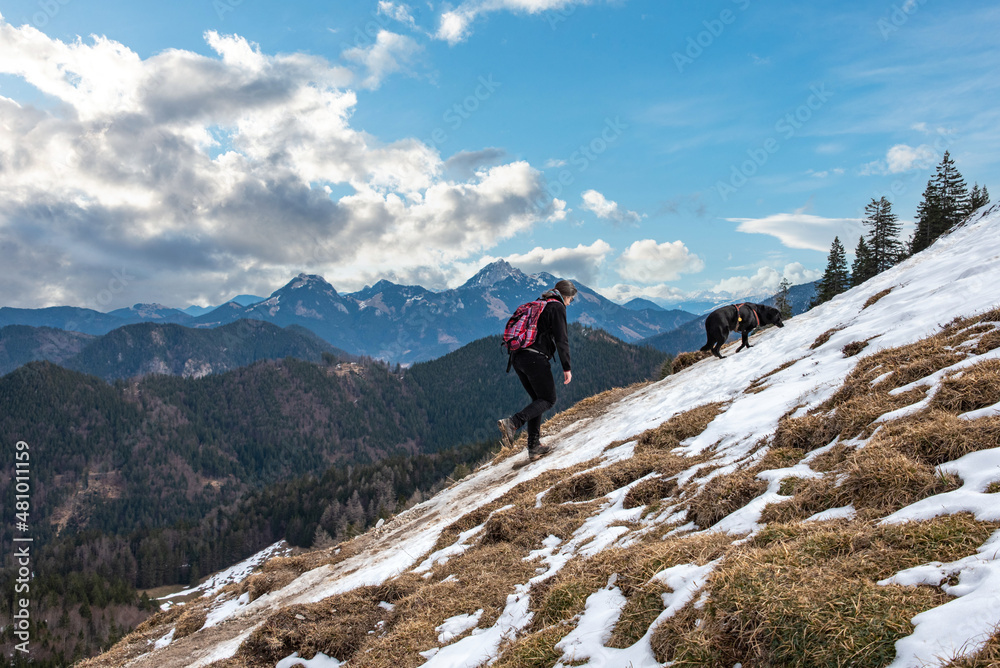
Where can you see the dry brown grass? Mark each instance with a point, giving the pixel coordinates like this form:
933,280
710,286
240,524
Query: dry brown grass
976,387
534,649
823,338
650,491
805,433
338,626
987,657
806,595
875,297
598,482
680,427
486,575
189,622
564,596
723,495
852,349
138,641
684,360
935,437
877,478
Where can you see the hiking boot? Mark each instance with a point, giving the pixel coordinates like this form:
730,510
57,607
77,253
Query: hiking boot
537,452
535,448
507,431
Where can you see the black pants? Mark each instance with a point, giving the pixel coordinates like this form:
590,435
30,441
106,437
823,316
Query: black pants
536,375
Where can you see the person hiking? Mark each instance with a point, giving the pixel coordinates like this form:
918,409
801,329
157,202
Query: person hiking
534,372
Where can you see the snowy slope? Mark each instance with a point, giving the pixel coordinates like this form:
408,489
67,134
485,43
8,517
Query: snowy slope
958,276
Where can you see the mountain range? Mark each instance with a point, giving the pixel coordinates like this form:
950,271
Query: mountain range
396,323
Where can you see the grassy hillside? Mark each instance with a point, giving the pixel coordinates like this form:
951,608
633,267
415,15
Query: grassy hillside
827,498
161,480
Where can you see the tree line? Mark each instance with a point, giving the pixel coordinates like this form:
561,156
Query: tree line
946,202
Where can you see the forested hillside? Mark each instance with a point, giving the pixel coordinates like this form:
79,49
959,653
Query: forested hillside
165,479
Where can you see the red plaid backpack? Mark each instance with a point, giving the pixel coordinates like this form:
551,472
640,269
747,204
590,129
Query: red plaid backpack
522,327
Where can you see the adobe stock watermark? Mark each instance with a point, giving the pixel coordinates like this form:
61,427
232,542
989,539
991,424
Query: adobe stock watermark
785,128
898,17
47,10
697,44
223,7
556,16
582,158
21,605
458,113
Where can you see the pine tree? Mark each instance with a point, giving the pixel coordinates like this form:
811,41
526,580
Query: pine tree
954,193
929,224
978,198
863,267
835,279
783,300
883,235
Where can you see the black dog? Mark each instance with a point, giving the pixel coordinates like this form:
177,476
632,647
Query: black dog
743,318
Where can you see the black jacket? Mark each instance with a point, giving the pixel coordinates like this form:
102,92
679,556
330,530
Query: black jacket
552,332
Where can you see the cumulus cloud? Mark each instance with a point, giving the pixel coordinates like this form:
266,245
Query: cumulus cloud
455,25
608,209
582,262
801,230
465,164
185,171
646,261
390,53
902,158
661,292
765,282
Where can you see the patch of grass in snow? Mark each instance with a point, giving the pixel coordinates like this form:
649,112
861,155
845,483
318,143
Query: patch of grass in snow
971,389
723,495
651,492
565,596
684,360
875,297
680,427
805,433
877,478
534,649
823,338
987,657
935,437
189,622
806,594
338,625
853,348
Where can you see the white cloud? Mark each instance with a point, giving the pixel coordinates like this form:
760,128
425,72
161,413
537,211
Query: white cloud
837,171
455,25
608,209
800,230
661,292
190,171
398,12
765,282
554,162
582,263
646,261
390,53
902,158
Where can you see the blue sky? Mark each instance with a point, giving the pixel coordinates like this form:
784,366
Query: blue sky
666,150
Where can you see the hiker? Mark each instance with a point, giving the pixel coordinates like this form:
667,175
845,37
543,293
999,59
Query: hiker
532,367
